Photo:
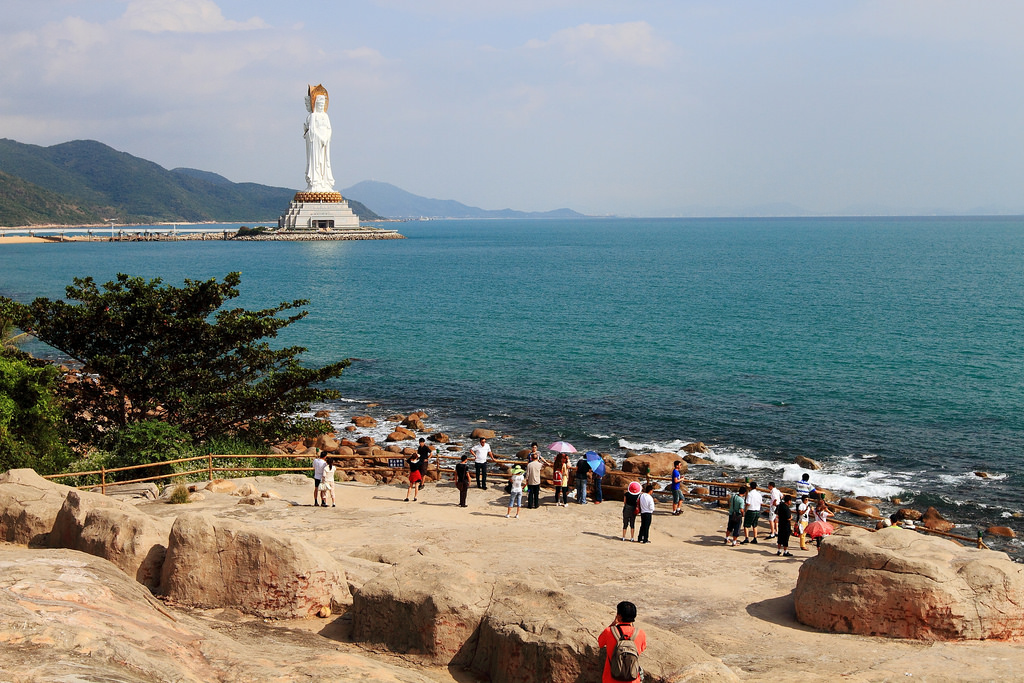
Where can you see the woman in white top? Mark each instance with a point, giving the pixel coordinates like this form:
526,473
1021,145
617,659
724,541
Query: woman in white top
820,528
646,504
327,483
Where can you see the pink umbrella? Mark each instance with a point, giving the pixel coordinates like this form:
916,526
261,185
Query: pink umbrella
562,447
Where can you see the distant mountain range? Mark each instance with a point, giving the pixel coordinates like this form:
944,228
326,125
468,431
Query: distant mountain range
395,202
86,182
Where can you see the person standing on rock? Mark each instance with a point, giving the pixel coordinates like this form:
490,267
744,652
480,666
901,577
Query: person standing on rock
785,520
318,474
415,477
803,518
533,477
582,470
752,513
630,505
327,483
560,479
622,660
462,480
736,506
481,454
515,498
774,498
646,503
677,488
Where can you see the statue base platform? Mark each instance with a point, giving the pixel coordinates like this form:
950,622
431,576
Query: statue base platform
318,211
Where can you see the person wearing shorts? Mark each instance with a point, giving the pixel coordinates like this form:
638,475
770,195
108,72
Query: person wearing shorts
774,498
318,474
629,508
677,488
415,477
736,504
752,513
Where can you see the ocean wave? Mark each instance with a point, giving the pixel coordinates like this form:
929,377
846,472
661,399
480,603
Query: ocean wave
969,477
654,447
600,436
741,458
877,484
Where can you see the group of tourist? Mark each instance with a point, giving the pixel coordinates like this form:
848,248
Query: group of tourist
808,520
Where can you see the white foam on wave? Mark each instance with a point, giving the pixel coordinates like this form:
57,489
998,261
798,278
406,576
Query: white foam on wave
969,477
875,483
600,436
654,447
741,458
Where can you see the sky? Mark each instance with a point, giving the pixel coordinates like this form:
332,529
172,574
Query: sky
631,108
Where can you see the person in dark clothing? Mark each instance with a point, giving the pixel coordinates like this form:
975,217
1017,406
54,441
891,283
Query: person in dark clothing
785,519
462,480
424,451
629,507
582,470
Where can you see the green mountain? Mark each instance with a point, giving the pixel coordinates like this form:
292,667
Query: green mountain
22,203
96,179
394,202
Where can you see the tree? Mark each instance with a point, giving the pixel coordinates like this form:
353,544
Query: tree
30,417
170,353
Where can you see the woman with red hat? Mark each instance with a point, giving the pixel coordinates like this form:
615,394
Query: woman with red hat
629,509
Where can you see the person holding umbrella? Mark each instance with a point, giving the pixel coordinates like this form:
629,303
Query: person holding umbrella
596,464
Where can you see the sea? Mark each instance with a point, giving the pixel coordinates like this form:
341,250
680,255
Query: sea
890,350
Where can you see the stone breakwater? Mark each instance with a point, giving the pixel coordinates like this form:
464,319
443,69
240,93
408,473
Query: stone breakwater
364,234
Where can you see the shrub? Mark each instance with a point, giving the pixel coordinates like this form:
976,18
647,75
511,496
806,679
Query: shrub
179,495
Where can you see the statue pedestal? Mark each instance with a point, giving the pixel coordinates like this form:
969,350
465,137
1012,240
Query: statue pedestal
318,211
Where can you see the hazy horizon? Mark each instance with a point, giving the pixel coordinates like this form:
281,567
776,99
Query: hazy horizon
632,109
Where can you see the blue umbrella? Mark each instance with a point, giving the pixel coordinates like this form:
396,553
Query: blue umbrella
596,462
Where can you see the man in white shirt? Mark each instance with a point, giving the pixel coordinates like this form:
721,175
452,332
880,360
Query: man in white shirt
318,474
774,498
752,513
481,453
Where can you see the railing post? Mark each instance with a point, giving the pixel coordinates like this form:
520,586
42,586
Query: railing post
103,480
209,466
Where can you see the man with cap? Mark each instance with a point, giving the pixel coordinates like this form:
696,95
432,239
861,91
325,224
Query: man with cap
629,503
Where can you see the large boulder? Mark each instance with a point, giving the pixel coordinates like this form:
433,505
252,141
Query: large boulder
422,606
414,422
364,421
134,541
660,464
481,433
28,507
696,447
140,491
532,634
859,507
807,463
903,584
222,563
934,520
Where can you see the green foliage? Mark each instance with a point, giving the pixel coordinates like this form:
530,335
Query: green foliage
30,417
179,495
148,441
173,352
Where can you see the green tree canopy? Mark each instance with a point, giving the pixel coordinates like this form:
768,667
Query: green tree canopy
30,417
172,353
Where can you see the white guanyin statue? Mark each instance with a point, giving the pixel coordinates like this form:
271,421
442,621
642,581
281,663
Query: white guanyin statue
317,131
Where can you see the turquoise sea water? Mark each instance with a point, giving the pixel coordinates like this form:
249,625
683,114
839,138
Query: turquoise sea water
888,349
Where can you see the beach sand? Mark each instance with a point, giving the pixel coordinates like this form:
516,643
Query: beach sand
734,602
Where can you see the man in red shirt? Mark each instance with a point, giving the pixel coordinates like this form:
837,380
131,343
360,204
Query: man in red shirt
625,615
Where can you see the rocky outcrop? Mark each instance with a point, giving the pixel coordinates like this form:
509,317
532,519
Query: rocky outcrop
140,491
506,630
696,460
422,607
68,616
660,464
481,433
902,584
934,520
258,571
364,421
696,447
860,507
414,422
133,541
28,507
807,463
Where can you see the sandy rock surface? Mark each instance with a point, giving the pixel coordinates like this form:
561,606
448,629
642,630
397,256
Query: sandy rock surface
28,507
68,616
735,604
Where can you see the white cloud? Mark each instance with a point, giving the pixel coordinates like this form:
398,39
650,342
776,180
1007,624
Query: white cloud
632,43
181,16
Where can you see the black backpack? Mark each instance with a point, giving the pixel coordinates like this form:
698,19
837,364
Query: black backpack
624,664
